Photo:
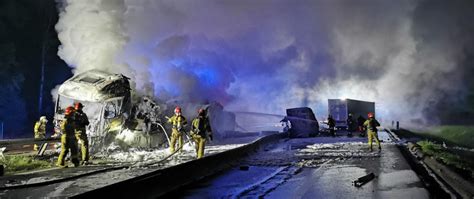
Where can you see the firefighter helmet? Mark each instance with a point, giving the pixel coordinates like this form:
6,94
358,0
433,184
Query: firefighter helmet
177,109
370,114
201,111
43,119
69,110
78,105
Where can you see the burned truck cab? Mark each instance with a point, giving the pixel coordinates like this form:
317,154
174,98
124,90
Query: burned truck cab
106,98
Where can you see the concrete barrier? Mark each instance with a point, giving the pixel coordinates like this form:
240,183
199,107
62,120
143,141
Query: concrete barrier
461,186
160,182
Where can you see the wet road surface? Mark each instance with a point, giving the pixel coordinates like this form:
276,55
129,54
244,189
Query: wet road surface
321,167
90,182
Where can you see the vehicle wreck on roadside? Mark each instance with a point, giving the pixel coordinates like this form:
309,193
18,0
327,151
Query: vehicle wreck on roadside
112,113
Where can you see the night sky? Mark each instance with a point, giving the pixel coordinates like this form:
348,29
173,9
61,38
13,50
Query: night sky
23,32
413,58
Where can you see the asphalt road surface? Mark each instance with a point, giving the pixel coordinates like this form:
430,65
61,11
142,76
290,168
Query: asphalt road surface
321,167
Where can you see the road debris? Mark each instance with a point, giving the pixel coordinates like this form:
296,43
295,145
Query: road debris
363,180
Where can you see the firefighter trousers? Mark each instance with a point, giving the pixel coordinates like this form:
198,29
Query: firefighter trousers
200,143
38,136
81,136
176,136
373,135
68,143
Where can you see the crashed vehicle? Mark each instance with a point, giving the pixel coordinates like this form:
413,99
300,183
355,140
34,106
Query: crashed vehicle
303,122
108,104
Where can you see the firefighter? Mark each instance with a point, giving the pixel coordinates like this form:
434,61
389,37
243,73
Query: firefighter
371,125
360,123
81,122
40,130
178,121
350,124
332,125
199,132
68,138
285,122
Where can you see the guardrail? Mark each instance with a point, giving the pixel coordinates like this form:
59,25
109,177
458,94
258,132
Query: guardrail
9,142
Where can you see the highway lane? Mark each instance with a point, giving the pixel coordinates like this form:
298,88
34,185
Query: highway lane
320,167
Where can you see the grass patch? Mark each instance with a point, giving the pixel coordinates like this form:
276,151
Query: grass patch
22,163
459,135
445,156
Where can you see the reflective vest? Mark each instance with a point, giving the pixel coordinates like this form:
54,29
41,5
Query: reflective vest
178,122
81,119
371,124
67,127
40,129
200,125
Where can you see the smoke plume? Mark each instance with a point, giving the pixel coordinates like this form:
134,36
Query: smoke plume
266,56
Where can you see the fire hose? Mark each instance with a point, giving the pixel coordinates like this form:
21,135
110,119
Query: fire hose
189,140
44,183
166,134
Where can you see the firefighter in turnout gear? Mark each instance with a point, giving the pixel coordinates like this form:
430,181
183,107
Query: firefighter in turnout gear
40,130
360,124
68,138
81,122
350,124
178,121
332,125
371,125
199,132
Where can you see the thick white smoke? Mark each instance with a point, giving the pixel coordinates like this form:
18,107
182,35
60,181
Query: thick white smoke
92,35
266,56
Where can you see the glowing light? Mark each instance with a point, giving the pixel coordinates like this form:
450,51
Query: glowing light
177,62
207,75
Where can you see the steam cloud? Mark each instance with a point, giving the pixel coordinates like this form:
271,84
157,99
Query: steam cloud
266,56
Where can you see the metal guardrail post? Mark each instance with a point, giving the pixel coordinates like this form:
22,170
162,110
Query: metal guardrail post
1,130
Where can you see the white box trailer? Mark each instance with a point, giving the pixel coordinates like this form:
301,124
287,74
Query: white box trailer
340,109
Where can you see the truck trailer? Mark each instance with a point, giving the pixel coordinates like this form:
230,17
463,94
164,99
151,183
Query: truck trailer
341,108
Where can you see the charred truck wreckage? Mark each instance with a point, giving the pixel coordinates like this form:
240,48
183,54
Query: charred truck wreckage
117,116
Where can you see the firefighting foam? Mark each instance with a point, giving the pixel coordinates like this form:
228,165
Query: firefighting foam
269,55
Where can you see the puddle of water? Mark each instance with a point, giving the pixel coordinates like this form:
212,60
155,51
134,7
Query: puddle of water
414,192
397,179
